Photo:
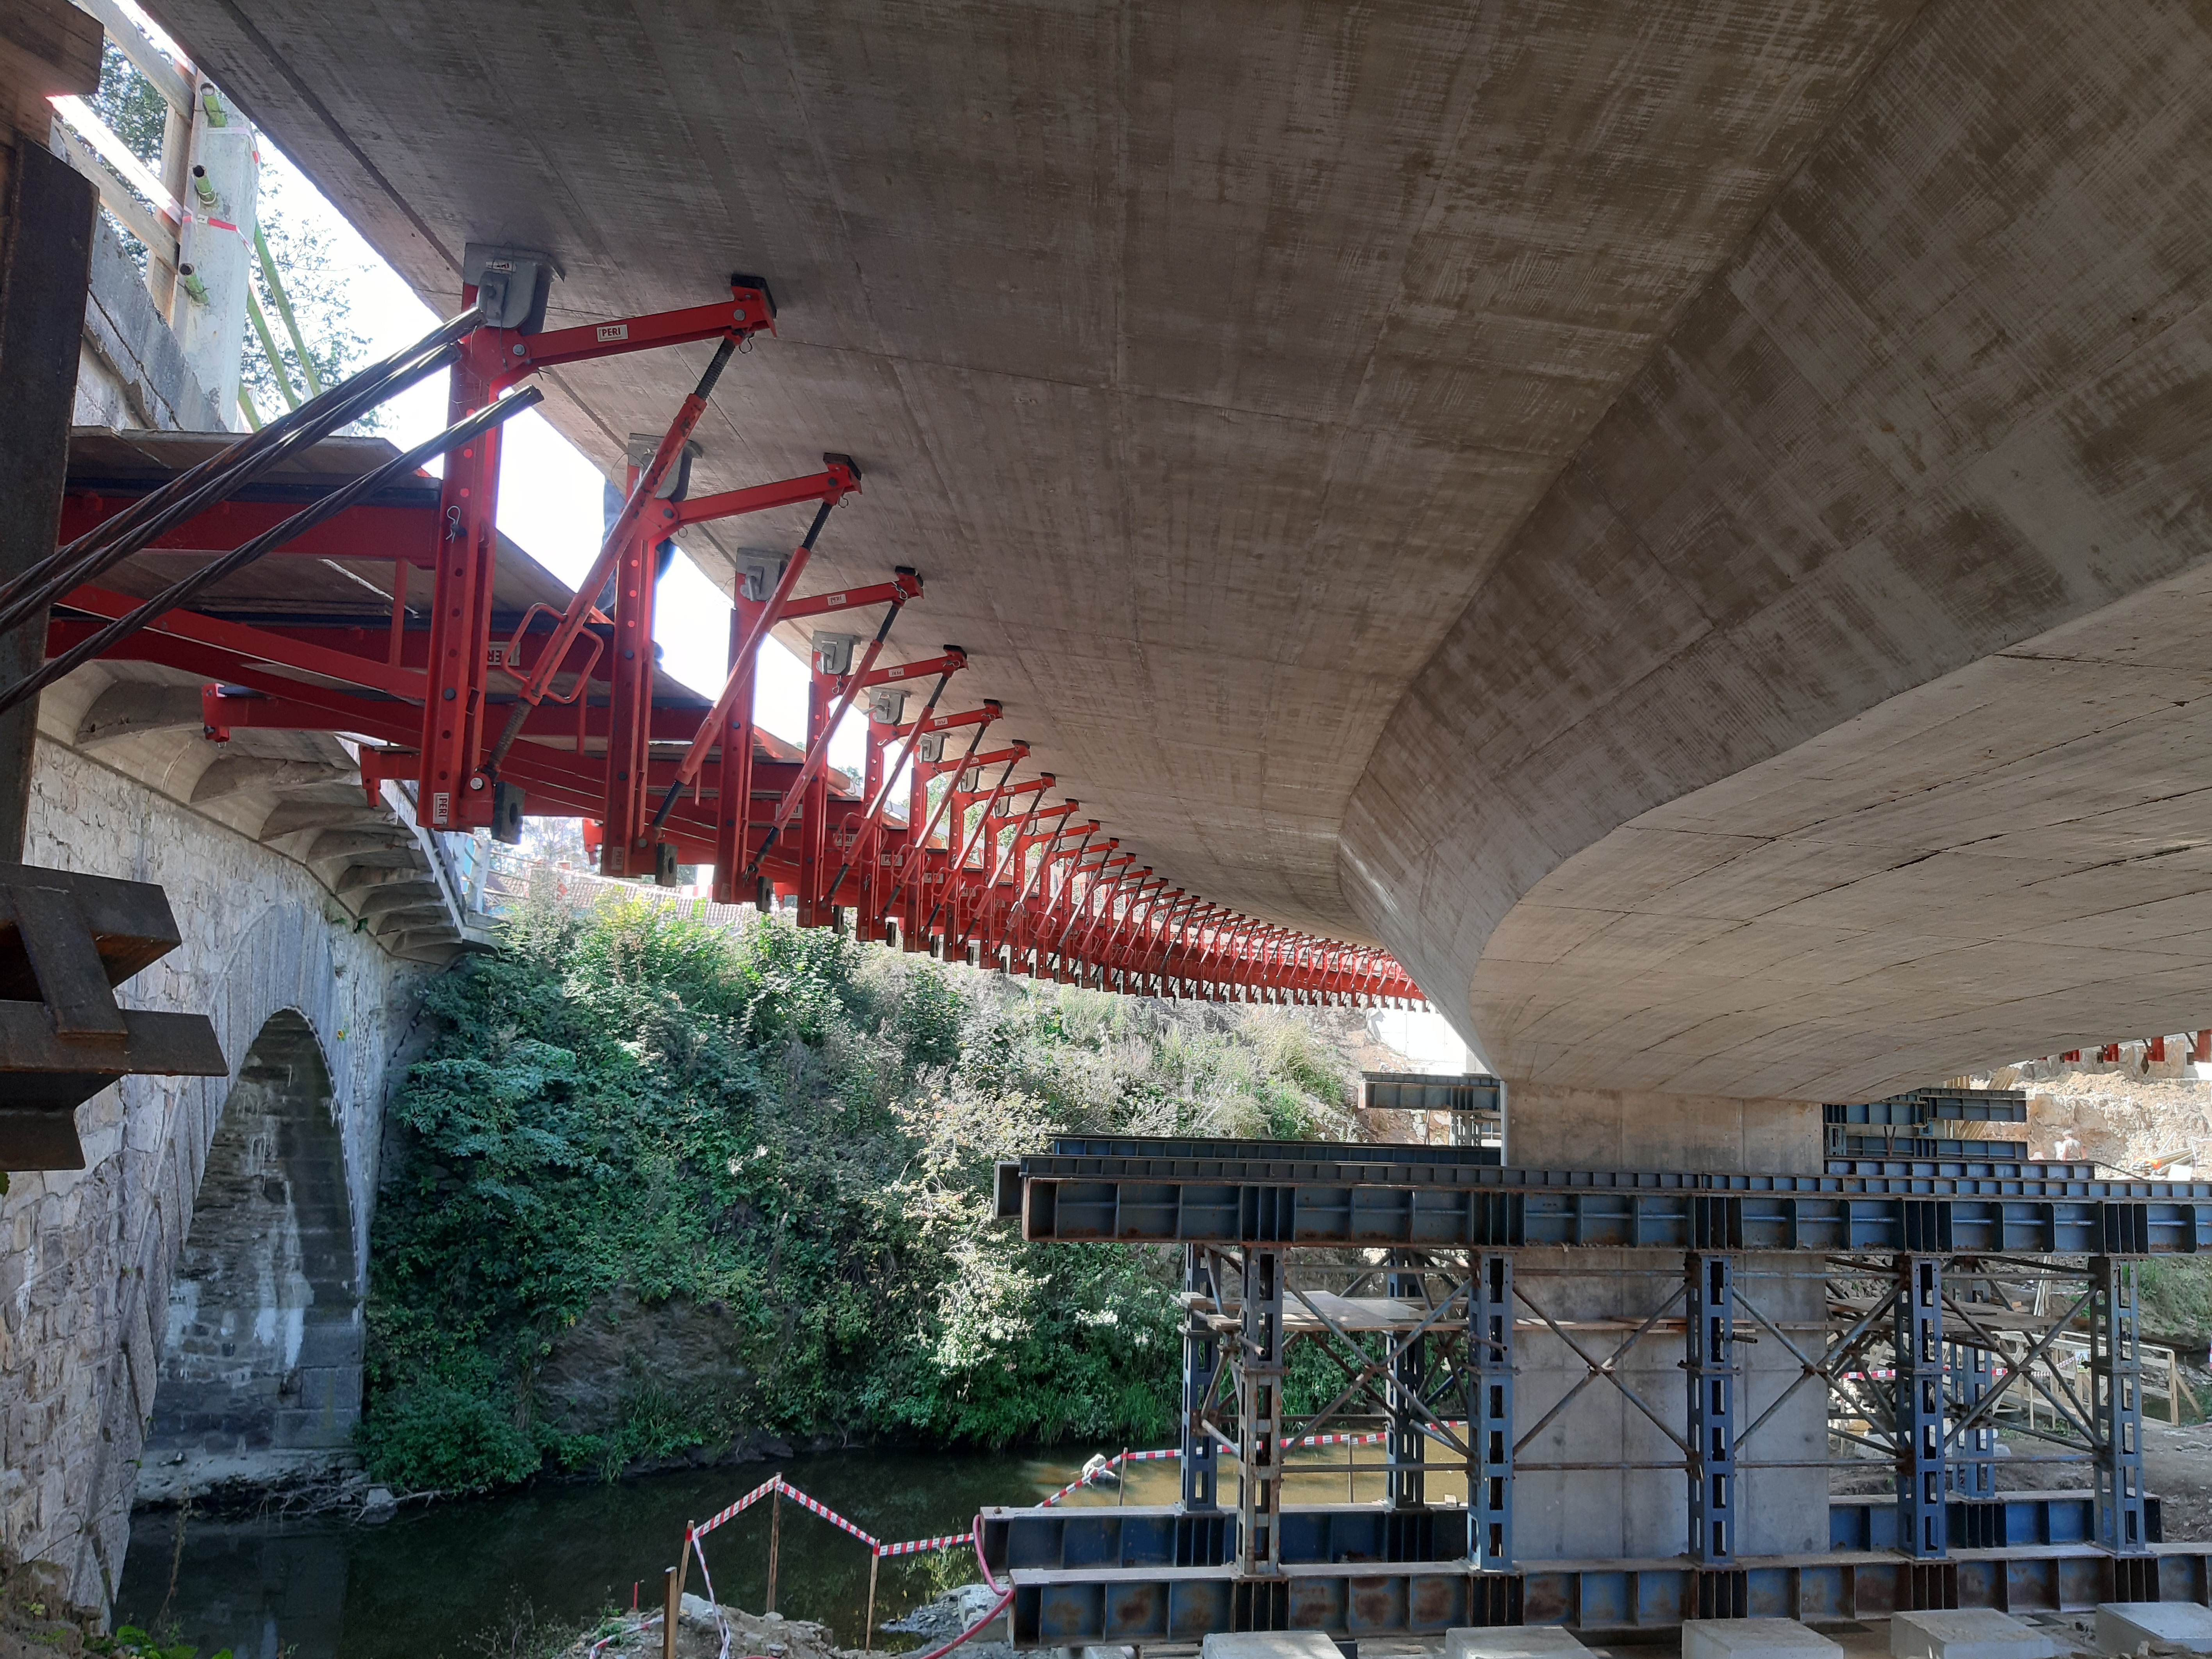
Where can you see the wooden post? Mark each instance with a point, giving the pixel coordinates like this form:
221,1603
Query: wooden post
775,1538
672,1605
1121,1483
868,1633
48,212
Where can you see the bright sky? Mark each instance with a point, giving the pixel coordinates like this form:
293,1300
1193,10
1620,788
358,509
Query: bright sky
550,497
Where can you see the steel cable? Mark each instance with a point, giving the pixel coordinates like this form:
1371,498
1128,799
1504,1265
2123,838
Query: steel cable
221,476
178,593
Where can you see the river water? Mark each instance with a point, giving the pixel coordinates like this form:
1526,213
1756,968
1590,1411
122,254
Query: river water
457,1578
461,1579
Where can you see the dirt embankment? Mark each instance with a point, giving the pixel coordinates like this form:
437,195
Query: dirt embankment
2132,1115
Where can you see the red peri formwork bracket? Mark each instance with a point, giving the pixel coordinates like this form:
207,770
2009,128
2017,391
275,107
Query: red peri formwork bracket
866,846
956,863
916,865
459,770
744,658
1000,844
381,765
817,752
761,601
630,699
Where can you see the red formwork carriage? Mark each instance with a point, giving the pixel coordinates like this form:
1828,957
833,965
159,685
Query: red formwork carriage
497,699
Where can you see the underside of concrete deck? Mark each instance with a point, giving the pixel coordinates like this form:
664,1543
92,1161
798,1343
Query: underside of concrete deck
1579,494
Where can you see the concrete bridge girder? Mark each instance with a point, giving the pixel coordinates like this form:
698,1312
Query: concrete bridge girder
1445,465
1294,378
1839,586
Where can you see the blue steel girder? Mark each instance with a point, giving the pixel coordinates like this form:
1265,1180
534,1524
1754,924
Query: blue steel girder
1405,1481
1489,1413
1079,1539
1259,1381
1973,1470
1083,1605
1400,1208
1201,1360
1342,1163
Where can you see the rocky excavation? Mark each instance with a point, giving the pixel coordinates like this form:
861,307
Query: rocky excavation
772,1636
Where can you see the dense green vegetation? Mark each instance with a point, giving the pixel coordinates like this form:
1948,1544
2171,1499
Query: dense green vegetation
796,1134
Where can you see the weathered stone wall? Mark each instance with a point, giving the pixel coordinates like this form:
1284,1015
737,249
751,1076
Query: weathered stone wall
87,1257
261,1364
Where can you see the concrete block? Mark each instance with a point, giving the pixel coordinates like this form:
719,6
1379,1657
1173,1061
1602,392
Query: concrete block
1269,1645
1967,1633
1754,1639
1512,1642
2122,1627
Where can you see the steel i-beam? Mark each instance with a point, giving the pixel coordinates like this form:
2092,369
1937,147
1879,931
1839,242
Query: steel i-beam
1973,1472
1406,1487
1201,1358
1709,1321
2116,1377
1919,1425
1489,1413
1259,1414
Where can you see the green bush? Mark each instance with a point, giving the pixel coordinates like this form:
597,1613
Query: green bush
800,1133
429,1435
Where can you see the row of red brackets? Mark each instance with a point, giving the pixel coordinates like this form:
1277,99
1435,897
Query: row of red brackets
1097,922
1049,898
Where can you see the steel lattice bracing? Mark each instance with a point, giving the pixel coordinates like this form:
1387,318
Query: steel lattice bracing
1427,1336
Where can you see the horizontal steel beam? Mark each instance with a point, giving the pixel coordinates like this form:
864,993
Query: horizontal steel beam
1417,1092
2010,1521
1085,1607
1132,1210
1930,1105
1186,1147
1893,1163
1350,1164
1120,1538
1841,1144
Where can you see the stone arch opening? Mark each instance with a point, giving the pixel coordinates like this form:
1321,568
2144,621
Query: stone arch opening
260,1366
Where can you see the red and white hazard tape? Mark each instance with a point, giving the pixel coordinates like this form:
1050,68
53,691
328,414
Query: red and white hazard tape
817,1506
740,1507
950,1541
814,1505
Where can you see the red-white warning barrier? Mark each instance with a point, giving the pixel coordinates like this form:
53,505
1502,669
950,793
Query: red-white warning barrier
817,1506
950,1541
737,1509
814,1505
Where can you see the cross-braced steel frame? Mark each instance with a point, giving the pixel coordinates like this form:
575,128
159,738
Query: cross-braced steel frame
1422,1342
